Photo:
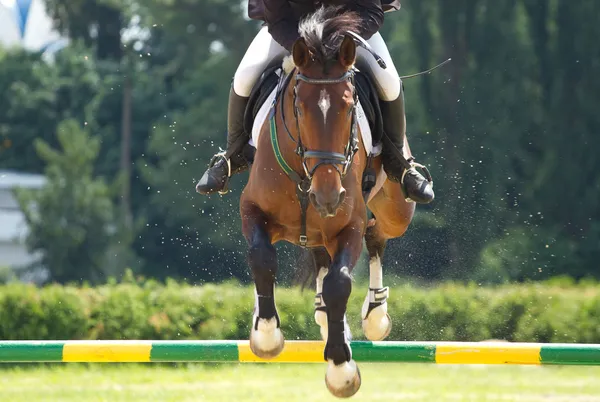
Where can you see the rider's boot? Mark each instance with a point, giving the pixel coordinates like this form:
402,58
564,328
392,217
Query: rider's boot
236,158
415,187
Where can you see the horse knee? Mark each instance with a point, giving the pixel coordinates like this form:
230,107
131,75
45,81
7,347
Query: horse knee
262,259
395,229
337,287
396,218
400,228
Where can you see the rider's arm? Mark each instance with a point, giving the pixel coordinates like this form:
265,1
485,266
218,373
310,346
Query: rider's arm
283,26
371,12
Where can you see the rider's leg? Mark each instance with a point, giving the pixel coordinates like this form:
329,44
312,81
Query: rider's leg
262,51
416,187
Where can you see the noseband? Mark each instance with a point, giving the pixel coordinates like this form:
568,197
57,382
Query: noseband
335,159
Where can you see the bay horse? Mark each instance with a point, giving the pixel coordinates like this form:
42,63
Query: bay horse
306,187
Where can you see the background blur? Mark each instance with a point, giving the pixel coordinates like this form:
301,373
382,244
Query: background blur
110,111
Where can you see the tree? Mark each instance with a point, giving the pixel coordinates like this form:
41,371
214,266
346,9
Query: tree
73,219
98,23
37,96
512,134
507,128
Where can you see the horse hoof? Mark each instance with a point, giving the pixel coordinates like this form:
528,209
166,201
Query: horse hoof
343,381
267,341
378,325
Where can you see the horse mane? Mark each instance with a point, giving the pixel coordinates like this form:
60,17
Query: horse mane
324,30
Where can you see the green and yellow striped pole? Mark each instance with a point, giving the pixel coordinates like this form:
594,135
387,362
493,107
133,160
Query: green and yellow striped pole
299,352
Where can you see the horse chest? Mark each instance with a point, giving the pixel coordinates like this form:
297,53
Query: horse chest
285,224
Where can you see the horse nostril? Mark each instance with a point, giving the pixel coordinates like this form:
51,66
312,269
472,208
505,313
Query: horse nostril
313,199
342,196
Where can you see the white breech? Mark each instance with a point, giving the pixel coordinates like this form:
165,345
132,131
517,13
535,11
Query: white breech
264,50
387,81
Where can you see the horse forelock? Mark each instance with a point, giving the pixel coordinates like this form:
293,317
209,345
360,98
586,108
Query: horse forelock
324,30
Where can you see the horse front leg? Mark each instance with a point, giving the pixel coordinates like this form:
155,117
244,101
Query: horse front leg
343,376
376,321
266,338
322,261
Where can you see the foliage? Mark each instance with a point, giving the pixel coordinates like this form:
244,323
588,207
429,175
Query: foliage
508,129
7,275
37,96
76,18
557,311
72,219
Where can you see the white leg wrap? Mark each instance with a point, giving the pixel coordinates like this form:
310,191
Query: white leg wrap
320,315
322,272
375,273
377,322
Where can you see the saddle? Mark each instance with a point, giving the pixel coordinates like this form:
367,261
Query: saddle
367,95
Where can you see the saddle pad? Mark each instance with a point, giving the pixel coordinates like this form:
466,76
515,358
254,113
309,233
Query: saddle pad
363,124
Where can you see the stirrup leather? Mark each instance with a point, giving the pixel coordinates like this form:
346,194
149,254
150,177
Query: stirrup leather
415,165
213,160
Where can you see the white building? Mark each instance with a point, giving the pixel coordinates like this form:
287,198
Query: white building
26,24
13,227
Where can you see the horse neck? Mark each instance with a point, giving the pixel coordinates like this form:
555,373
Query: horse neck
288,146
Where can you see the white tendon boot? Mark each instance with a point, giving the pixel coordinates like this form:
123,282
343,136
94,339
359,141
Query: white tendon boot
377,323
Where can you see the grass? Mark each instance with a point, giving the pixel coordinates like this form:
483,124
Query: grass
294,383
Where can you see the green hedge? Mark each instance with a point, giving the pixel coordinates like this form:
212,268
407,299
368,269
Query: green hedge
148,310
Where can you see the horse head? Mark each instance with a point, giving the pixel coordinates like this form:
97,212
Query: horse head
324,104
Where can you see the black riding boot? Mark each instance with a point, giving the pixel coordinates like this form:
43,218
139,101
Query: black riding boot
236,157
415,187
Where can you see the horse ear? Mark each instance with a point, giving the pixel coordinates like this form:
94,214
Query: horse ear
347,55
300,53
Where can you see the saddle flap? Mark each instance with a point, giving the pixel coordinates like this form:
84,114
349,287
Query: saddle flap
369,100
259,94
369,112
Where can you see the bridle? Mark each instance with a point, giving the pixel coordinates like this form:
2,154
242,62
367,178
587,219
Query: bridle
334,159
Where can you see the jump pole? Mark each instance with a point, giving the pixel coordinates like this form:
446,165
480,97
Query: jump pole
140,351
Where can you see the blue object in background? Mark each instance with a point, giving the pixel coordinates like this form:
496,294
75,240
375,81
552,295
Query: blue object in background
22,12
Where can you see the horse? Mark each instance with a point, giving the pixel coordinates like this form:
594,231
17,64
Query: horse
306,187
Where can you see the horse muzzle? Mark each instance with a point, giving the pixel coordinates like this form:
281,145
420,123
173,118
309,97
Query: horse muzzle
327,204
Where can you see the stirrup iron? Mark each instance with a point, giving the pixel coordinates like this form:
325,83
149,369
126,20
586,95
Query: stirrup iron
415,165
213,160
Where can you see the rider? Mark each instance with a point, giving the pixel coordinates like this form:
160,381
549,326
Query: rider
275,41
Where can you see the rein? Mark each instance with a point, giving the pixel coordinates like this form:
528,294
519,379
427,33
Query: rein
335,159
